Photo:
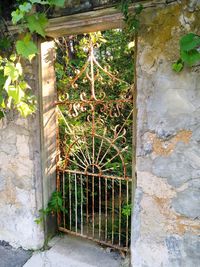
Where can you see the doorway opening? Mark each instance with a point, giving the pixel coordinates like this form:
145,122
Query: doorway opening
95,107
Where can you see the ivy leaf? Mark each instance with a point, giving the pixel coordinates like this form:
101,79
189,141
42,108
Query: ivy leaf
190,57
26,47
13,57
11,71
59,3
178,66
17,15
26,7
24,109
16,93
24,85
189,42
37,23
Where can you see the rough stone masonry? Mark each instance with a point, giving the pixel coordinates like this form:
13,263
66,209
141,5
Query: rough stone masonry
20,176
165,227
166,219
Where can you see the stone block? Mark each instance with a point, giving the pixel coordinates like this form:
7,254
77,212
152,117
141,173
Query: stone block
187,203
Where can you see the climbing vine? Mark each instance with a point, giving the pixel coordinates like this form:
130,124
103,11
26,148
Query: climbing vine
189,52
15,92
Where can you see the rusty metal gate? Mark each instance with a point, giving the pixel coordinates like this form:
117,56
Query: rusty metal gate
94,169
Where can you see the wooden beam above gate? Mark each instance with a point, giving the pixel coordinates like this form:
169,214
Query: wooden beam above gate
98,20
92,21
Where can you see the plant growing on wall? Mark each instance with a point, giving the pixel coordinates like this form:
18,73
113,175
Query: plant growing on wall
189,52
15,93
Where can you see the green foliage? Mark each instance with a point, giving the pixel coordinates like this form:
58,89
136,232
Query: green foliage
189,42
58,3
37,23
126,210
15,93
189,51
26,47
178,66
54,206
131,18
13,71
5,43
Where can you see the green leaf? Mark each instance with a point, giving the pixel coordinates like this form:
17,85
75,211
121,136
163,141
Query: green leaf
39,220
191,57
26,47
59,3
17,15
24,109
13,58
178,66
11,71
189,42
24,85
16,93
37,23
26,7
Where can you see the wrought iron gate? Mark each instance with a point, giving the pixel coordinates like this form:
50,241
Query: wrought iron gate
94,170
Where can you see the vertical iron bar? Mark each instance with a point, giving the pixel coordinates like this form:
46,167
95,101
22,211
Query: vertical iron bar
81,204
58,190
99,208
113,208
87,213
64,201
75,181
93,205
70,203
127,202
106,209
57,163
93,127
120,210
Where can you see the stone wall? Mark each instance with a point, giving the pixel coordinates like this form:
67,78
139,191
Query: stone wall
27,159
20,176
166,225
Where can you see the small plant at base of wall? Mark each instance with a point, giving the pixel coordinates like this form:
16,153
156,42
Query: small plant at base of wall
55,205
189,52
